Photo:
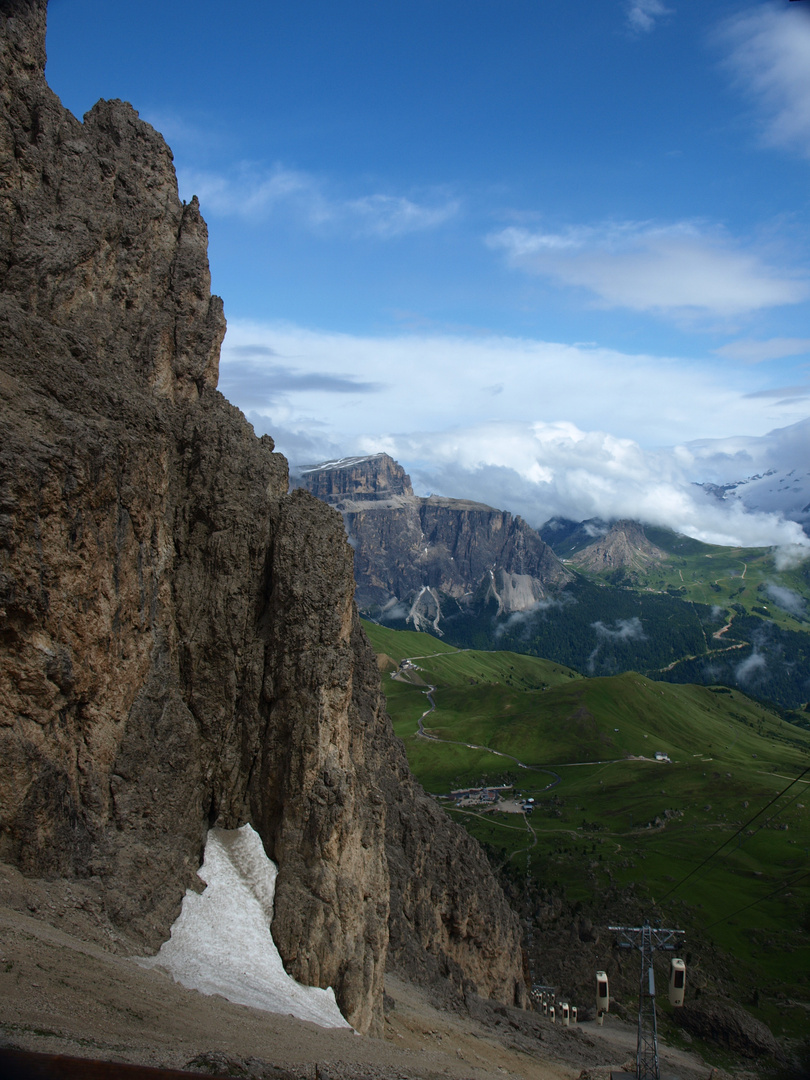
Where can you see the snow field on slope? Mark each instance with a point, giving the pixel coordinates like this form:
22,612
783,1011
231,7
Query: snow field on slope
221,942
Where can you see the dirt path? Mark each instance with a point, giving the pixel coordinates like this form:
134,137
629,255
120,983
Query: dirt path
61,995
423,734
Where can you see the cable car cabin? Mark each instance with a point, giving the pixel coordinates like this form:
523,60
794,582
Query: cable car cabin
573,1014
545,1006
677,981
552,1015
566,1014
602,992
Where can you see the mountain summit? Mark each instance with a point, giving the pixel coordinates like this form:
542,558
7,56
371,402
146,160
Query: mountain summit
377,478
624,546
425,559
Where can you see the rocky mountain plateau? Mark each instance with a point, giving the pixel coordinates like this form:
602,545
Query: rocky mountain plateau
425,559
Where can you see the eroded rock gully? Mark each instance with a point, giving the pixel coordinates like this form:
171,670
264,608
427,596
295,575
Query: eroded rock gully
180,645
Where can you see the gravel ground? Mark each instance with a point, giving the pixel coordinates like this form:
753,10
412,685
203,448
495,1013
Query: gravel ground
61,994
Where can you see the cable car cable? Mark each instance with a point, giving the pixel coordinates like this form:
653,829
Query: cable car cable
759,828
734,836
784,885
765,824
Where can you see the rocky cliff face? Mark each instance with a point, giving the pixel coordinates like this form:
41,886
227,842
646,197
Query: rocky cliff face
431,557
360,479
179,645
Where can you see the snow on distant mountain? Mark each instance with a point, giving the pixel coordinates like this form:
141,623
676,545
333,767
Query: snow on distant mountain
768,473
785,493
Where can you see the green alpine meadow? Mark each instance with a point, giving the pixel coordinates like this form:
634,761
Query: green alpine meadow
681,803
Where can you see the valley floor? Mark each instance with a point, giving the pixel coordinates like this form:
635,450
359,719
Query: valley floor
61,994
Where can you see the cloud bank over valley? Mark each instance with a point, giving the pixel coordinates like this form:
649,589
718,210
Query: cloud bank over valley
326,395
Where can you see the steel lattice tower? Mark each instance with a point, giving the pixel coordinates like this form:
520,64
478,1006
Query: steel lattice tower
646,939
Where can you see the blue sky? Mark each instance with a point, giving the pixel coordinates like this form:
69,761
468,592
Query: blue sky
537,251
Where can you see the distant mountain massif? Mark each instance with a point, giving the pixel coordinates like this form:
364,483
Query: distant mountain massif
426,561
775,491
602,597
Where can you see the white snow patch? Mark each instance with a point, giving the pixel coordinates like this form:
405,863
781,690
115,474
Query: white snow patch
221,942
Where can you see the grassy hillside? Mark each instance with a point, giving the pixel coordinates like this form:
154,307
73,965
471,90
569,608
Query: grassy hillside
613,827
751,579
703,615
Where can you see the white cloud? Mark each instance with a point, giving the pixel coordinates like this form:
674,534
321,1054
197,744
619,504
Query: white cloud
519,622
405,395
626,630
790,556
769,56
757,352
248,192
388,215
728,460
641,14
801,392
255,193
753,666
679,269
427,382
787,599
544,470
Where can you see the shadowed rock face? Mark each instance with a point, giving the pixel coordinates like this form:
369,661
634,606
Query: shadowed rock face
179,645
436,555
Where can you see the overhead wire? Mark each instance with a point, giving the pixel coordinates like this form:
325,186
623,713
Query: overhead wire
781,810
734,836
785,885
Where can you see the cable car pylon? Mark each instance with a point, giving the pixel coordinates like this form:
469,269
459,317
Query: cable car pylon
647,939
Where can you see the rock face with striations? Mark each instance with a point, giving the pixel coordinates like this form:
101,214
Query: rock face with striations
342,483
179,646
432,557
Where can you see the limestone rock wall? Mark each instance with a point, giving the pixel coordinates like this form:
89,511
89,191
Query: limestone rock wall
405,545
454,547
339,483
179,645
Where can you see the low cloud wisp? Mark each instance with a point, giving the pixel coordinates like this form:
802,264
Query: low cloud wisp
625,630
254,192
768,54
642,14
787,600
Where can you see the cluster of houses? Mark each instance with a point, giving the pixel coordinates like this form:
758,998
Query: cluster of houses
486,796
489,796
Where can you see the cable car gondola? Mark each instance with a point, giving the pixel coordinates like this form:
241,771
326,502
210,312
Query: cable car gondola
602,993
677,981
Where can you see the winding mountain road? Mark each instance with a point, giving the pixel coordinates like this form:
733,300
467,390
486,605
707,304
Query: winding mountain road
421,733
